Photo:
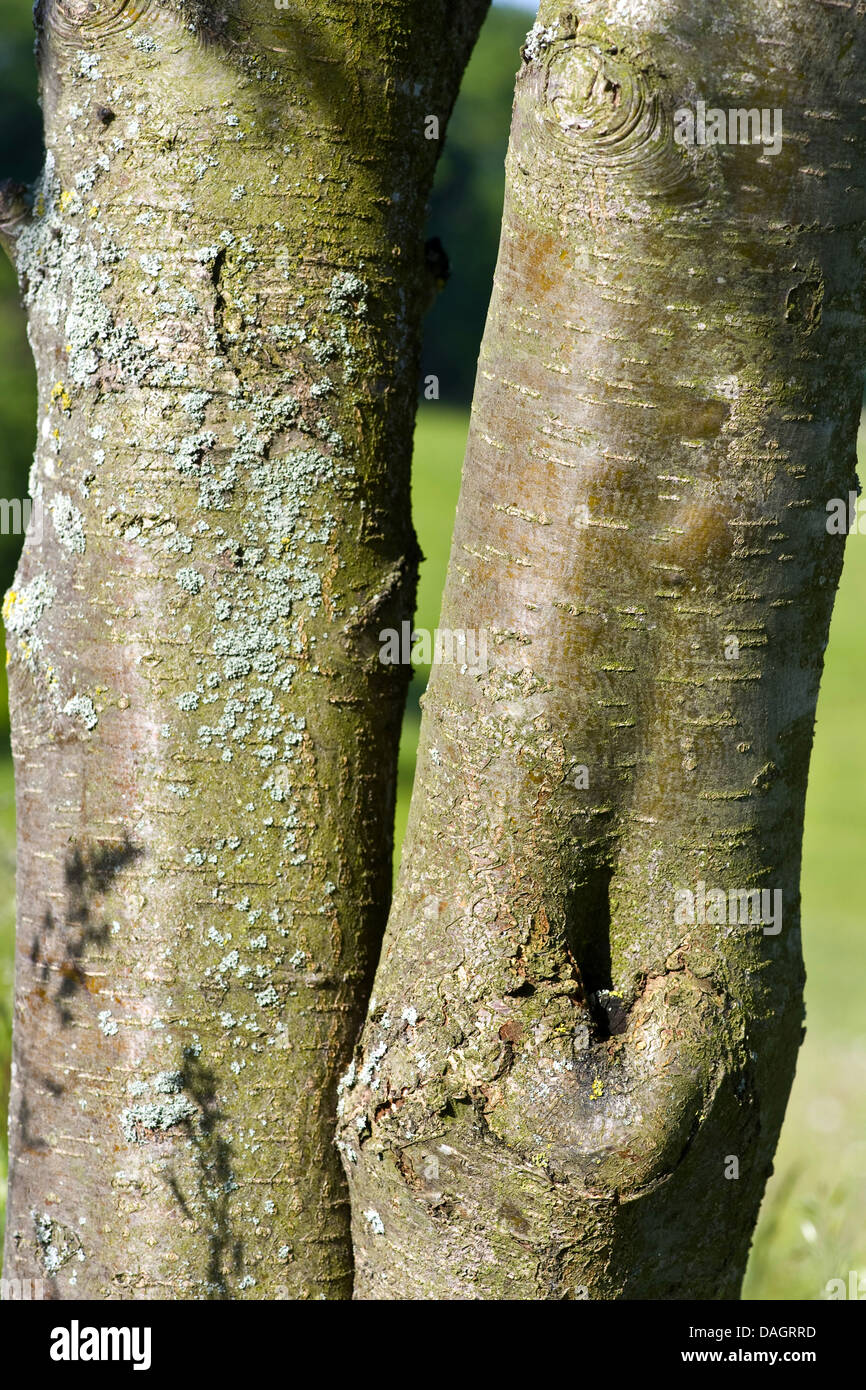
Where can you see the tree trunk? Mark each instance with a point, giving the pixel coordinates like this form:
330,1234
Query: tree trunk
565,1087
223,274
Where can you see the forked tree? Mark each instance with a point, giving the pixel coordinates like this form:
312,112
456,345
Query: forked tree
585,1017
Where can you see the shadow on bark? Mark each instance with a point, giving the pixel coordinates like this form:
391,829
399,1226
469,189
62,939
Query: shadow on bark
215,1180
87,873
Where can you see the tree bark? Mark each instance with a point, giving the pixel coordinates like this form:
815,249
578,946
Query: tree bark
558,1069
223,273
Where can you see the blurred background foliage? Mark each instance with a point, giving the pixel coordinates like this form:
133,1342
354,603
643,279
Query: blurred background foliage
812,1225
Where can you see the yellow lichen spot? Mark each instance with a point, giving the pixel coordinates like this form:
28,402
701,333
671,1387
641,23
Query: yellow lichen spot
93,210
40,206
9,603
66,198
597,1089
61,396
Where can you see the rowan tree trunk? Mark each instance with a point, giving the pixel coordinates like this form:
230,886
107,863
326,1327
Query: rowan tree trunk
565,1088
223,273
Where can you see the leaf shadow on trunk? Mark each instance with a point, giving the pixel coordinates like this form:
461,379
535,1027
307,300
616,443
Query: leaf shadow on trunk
215,1180
87,873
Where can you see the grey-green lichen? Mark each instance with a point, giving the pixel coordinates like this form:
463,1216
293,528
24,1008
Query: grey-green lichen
227,484
68,523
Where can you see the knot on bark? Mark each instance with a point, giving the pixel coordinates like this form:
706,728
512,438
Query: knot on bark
72,21
804,302
609,1117
604,109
